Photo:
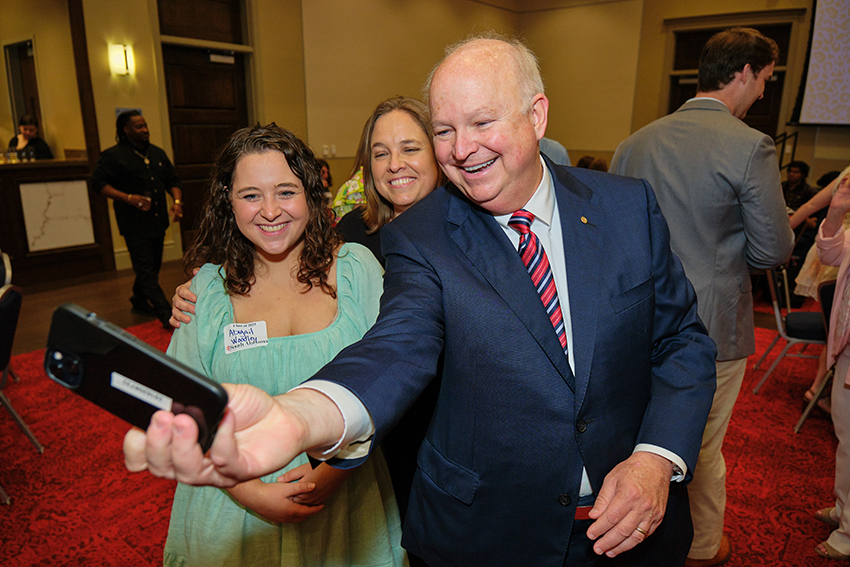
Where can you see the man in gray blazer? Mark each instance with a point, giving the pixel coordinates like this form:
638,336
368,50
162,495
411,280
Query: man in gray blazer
718,185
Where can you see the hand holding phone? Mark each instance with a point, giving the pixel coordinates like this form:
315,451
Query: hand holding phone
125,376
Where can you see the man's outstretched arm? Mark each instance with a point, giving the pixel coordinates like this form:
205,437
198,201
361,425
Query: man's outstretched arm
258,435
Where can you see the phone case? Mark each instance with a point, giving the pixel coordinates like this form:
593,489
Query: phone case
126,376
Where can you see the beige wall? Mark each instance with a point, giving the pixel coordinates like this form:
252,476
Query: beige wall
355,59
130,25
46,23
588,57
277,65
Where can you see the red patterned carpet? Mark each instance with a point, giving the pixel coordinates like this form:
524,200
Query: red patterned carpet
776,478
77,505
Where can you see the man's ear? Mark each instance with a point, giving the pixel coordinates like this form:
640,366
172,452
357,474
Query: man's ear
540,114
746,74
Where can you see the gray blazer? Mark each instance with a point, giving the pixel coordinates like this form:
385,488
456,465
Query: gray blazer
717,182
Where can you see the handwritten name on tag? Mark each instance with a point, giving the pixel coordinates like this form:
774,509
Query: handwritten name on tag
241,336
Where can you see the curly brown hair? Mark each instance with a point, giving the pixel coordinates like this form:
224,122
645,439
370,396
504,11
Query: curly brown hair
219,240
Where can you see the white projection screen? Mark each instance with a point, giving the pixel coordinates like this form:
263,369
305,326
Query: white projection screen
826,96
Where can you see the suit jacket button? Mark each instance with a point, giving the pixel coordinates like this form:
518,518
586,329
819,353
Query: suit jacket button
564,499
581,426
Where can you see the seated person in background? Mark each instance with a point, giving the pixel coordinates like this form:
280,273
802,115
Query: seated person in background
796,192
795,189
813,272
399,169
819,201
27,143
584,162
554,151
598,164
350,194
833,244
327,180
271,259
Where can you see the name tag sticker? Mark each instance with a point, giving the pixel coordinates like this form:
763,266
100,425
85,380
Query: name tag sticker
140,391
241,336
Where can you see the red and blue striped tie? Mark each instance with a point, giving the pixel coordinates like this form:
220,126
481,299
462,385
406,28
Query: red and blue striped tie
534,257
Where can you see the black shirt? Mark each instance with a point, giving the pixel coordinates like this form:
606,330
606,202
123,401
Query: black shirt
794,198
353,229
124,168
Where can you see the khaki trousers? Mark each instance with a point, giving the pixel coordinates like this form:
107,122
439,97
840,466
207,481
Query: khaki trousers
707,490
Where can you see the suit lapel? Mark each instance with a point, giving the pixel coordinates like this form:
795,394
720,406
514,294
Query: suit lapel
485,244
580,220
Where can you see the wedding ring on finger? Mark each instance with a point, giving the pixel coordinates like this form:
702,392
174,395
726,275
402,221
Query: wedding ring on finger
637,529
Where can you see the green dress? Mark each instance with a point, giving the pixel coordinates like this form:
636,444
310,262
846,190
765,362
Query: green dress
359,524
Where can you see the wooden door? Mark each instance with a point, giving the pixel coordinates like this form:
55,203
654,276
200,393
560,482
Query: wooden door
206,103
215,20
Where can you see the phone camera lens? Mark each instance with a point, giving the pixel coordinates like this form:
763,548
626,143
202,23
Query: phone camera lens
73,367
65,368
57,370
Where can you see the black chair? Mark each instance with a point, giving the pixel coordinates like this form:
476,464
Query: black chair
826,293
6,279
10,309
796,327
5,270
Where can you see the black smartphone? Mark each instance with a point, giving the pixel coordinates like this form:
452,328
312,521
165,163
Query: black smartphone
126,376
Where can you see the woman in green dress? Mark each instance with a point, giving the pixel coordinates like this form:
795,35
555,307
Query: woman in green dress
278,297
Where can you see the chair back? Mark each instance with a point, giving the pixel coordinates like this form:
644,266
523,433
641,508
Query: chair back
5,270
773,284
826,293
10,308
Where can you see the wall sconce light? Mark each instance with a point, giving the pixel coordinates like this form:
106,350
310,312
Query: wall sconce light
121,60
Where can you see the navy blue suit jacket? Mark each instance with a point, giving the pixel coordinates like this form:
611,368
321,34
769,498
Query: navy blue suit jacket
499,471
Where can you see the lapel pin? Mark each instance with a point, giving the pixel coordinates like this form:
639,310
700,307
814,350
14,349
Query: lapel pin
584,220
